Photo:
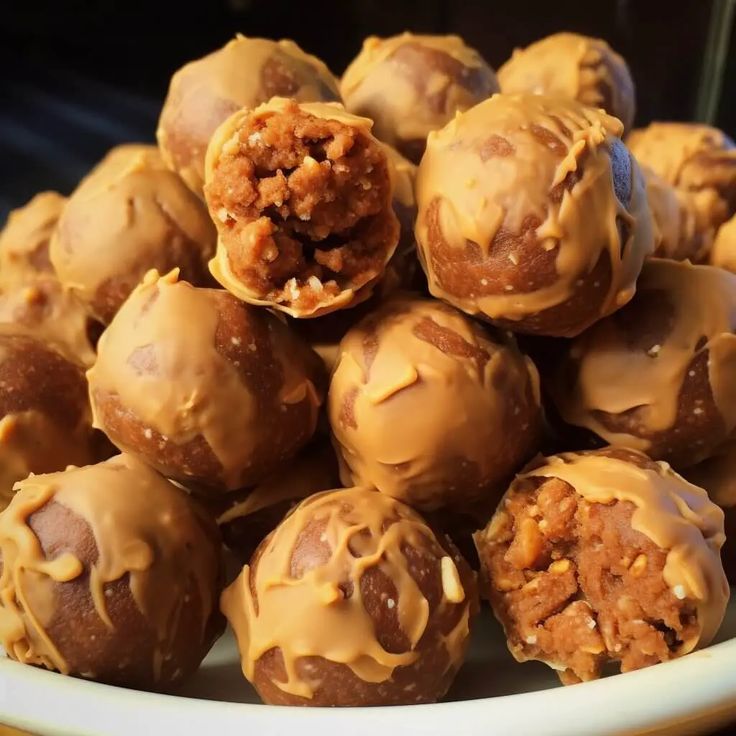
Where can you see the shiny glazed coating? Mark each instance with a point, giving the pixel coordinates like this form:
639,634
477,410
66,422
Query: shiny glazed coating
660,374
430,407
533,214
604,556
579,67
209,391
245,72
410,85
723,253
371,607
130,214
111,573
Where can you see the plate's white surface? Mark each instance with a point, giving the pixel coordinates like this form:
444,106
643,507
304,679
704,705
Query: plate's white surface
493,695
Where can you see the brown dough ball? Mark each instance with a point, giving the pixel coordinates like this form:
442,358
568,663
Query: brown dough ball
430,407
211,392
660,374
111,573
372,607
604,556
130,214
723,253
532,214
245,72
579,67
411,85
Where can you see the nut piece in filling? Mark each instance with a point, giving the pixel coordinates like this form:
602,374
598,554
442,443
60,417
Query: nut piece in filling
430,407
301,195
660,374
411,85
209,391
111,573
532,214
245,72
352,601
604,556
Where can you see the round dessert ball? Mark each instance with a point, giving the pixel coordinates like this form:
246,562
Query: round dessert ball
302,196
411,85
111,573
723,253
601,557
211,392
372,607
532,214
430,407
579,67
245,72
659,375
130,214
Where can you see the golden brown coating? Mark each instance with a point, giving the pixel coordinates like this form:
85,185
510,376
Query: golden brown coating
372,608
579,67
245,72
302,198
130,214
533,214
723,253
209,391
111,573
410,85
430,407
604,556
660,374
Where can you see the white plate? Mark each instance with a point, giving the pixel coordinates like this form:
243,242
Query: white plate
493,695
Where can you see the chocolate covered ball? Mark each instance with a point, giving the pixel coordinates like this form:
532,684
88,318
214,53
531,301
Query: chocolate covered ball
111,573
660,374
723,253
532,214
372,607
601,557
579,67
129,215
410,85
430,407
211,392
245,72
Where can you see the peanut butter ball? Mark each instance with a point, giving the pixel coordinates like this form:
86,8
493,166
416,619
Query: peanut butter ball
410,85
600,557
430,407
579,67
532,214
111,573
245,72
372,607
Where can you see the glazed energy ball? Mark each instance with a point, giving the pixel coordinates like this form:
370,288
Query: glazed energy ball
111,573
430,407
606,556
244,73
533,214
130,214
411,85
660,374
579,67
371,607
209,391
302,198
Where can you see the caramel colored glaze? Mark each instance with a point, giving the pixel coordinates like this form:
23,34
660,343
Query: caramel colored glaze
532,214
352,601
109,572
411,85
579,67
129,215
430,407
660,374
245,72
211,392
723,253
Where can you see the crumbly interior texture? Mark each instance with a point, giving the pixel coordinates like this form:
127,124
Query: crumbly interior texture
576,587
